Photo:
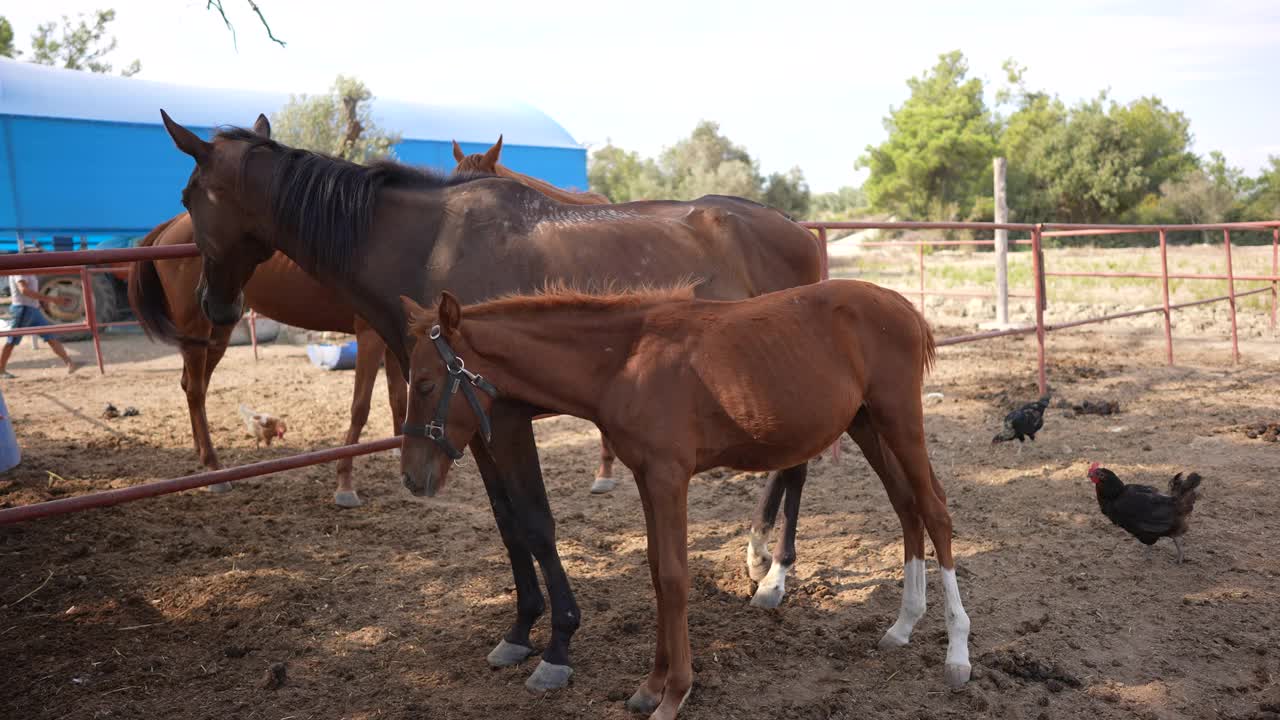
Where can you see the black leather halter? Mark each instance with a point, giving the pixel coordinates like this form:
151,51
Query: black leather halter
458,373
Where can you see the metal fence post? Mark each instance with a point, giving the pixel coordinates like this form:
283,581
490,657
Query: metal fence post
1164,276
253,332
1275,271
1038,271
91,314
1002,244
1231,295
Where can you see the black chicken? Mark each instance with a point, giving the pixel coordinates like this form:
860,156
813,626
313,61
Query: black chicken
1143,511
1026,421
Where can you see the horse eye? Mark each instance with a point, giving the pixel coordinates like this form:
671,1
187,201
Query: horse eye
426,386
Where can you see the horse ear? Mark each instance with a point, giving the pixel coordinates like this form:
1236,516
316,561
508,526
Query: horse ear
187,141
491,157
457,152
449,312
415,315
262,126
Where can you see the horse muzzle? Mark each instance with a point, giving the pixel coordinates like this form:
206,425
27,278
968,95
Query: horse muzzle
429,488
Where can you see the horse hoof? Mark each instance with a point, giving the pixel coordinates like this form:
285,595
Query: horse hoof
548,677
956,675
347,499
218,488
758,565
891,641
767,596
642,703
508,654
603,485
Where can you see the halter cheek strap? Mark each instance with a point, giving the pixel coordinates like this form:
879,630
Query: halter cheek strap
459,377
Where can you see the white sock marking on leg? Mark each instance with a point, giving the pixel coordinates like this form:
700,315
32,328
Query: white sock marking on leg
772,587
913,603
957,621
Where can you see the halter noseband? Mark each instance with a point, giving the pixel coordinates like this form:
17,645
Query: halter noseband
458,372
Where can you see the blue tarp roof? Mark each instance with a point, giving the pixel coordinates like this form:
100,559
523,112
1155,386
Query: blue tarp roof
82,153
40,91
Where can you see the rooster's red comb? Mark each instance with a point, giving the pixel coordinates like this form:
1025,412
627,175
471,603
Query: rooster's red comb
1092,468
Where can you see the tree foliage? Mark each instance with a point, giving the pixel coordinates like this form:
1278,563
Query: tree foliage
705,163
338,123
6,39
939,149
79,44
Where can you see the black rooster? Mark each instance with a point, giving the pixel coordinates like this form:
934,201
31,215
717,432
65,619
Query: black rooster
1143,511
1026,421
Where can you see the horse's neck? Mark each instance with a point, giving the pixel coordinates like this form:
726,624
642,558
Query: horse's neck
546,188
560,361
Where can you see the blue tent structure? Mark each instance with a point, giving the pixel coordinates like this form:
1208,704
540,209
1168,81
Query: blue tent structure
85,155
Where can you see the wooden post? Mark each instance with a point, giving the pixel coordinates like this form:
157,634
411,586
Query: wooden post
1002,244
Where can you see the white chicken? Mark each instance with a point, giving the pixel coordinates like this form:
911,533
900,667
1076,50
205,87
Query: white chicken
262,427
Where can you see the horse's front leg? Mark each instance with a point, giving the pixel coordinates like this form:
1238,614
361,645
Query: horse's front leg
665,497
772,585
516,456
515,646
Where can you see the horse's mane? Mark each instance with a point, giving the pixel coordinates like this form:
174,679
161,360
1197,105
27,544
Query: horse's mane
571,197
329,202
560,295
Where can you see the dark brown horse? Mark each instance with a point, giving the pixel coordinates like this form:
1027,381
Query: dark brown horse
487,163
689,385
376,233
163,295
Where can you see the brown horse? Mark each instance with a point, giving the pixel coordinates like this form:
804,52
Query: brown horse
376,233
163,295
487,163
684,385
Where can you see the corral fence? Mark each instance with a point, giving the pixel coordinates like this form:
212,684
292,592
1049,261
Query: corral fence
79,264
79,261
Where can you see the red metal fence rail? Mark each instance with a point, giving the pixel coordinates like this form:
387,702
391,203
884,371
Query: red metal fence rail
82,267
76,261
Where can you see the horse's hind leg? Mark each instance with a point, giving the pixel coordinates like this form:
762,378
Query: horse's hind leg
772,585
605,479
903,432
368,352
902,499
397,394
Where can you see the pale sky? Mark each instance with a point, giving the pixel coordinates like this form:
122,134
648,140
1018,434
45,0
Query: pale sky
798,83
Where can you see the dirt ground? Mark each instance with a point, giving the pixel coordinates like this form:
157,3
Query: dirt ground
178,607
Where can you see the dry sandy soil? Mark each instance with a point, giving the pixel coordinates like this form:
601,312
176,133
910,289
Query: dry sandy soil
177,607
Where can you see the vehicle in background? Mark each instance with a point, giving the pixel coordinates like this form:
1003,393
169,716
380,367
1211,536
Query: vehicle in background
110,290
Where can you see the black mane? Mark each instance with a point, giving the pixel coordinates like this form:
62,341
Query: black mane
327,202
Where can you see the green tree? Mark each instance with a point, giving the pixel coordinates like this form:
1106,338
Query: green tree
78,44
6,39
936,161
705,163
338,123
1263,193
846,203
1093,162
788,192
622,175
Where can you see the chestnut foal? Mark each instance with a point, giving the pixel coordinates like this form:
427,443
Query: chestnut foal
682,385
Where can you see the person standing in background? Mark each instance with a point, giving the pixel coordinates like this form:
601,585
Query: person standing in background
24,289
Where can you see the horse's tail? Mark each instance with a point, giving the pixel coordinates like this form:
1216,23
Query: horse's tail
928,346
146,293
